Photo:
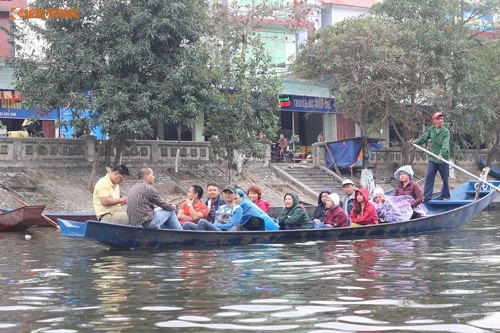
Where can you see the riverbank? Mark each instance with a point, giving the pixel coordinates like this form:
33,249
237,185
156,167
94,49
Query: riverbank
65,189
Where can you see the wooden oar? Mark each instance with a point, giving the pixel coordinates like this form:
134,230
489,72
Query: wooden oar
11,190
52,222
457,167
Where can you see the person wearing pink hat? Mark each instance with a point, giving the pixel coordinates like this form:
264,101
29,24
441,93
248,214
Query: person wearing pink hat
439,138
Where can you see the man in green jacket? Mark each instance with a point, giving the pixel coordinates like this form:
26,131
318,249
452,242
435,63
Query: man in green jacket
439,138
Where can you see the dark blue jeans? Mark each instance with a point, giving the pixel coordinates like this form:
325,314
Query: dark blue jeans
432,170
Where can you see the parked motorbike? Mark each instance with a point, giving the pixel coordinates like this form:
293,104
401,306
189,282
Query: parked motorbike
278,155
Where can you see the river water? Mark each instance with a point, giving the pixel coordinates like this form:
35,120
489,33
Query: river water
444,282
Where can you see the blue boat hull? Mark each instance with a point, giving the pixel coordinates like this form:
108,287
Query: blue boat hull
443,216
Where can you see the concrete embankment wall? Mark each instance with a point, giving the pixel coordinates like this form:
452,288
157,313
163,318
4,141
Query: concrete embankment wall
66,152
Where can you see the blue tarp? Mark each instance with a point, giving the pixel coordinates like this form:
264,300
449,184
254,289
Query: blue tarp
346,152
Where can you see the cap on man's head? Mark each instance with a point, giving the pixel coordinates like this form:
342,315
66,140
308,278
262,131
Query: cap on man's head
437,115
347,182
228,188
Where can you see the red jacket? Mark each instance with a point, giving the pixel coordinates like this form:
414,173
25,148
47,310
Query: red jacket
336,217
368,215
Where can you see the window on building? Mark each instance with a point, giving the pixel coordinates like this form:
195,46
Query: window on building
275,45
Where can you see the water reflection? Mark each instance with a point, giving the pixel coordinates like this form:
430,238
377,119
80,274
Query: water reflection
444,282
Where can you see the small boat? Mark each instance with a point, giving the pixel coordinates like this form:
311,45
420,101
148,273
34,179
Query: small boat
494,171
77,217
22,218
443,215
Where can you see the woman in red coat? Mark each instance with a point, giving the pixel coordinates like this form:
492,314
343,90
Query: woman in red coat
363,211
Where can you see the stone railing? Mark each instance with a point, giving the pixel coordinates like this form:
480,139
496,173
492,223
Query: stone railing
391,158
17,151
22,151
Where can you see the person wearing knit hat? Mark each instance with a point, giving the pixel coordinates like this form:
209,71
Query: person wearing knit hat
439,138
388,208
335,217
405,168
407,186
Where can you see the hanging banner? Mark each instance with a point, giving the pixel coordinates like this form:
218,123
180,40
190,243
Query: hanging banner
26,113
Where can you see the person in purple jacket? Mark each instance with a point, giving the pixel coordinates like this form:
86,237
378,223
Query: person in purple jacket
391,209
407,186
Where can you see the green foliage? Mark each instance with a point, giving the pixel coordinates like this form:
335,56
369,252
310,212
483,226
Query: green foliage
244,102
126,53
410,56
464,70
245,93
361,62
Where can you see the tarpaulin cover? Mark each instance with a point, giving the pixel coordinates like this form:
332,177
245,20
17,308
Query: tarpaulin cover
347,152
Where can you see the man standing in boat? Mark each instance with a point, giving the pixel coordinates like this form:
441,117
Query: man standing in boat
439,138
106,196
193,209
142,199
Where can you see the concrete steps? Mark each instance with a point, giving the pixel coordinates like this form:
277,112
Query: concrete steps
312,178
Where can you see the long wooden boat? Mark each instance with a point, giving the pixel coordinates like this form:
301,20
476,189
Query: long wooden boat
494,171
442,216
22,218
78,217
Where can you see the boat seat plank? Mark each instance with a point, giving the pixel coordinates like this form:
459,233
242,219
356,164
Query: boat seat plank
448,202
473,192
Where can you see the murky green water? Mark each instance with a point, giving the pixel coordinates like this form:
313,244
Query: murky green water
445,282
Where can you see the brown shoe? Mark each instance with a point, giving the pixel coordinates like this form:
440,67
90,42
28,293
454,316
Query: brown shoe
426,199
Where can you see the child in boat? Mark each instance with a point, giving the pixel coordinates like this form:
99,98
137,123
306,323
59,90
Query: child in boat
389,209
293,215
335,217
363,211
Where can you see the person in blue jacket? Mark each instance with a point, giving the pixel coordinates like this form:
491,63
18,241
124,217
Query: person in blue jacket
227,217
253,217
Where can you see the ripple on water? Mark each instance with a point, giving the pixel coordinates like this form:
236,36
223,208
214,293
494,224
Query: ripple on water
194,318
452,328
262,328
461,292
256,308
490,321
160,308
7,325
303,311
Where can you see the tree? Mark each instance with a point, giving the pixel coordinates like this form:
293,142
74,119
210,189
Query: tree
450,34
245,96
116,61
361,63
478,100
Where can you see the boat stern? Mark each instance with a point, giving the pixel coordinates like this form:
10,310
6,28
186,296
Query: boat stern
72,228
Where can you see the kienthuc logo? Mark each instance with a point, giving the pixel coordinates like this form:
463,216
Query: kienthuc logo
44,14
